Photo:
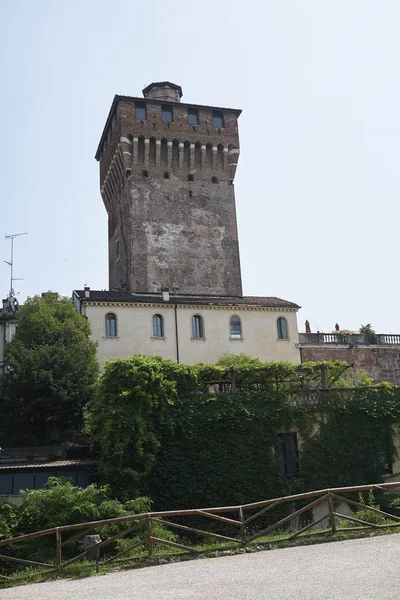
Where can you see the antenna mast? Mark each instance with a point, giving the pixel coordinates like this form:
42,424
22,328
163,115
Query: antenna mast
11,261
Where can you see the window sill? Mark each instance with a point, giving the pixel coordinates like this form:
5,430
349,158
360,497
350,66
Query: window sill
283,339
198,339
158,338
236,339
110,337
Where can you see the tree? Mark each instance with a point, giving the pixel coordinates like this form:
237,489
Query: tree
52,369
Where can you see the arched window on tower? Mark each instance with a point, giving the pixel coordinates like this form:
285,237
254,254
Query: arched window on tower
164,152
175,154
197,155
141,150
158,326
235,327
186,154
110,328
197,326
282,329
220,156
152,151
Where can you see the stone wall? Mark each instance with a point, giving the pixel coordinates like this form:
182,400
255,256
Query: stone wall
380,362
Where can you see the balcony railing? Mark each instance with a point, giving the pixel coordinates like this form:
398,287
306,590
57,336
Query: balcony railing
353,339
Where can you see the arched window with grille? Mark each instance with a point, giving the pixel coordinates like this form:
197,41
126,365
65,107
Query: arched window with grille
111,325
282,329
197,326
235,327
158,326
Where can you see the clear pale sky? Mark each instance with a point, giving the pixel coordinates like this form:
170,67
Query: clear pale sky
318,181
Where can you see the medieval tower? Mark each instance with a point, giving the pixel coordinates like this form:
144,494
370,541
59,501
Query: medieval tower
166,178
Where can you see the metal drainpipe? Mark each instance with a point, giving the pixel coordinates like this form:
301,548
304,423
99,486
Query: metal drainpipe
176,333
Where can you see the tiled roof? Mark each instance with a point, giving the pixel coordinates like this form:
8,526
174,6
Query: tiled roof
110,296
55,464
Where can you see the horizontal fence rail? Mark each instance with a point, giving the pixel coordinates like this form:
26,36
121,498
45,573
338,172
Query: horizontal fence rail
241,523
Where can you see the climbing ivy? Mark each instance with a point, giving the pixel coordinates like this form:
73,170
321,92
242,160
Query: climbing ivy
207,434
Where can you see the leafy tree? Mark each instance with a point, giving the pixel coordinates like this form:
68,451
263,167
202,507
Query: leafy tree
61,503
52,369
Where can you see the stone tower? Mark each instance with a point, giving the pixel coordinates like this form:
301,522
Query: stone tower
166,179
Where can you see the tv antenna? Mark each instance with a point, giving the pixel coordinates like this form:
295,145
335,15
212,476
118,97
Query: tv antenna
11,261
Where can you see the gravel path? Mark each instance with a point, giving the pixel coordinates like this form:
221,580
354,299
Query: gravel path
364,569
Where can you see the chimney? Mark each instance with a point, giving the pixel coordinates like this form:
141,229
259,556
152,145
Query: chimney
87,291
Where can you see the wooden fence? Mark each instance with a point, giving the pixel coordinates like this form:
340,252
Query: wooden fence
238,518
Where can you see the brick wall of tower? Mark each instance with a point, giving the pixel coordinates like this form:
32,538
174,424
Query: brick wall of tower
168,189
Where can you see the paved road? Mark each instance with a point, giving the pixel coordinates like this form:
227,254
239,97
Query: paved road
365,569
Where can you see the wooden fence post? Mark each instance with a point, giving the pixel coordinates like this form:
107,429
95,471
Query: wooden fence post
150,544
58,548
331,515
242,526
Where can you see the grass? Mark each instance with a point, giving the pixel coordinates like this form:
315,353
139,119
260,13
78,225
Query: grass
163,554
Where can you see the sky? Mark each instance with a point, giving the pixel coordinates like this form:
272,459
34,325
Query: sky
318,180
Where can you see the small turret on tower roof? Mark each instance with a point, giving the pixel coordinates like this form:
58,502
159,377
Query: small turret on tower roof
163,90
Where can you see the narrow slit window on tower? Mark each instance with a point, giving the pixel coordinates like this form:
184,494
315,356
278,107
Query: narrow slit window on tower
214,179
190,177
218,119
141,150
166,175
220,156
209,155
164,152
175,154
141,110
193,117
152,150
145,173
186,154
166,113
197,155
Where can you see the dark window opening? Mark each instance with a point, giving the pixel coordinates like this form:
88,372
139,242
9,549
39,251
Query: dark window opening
186,154
220,156
166,175
166,113
197,155
287,454
152,150
141,150
190,194
209,155
190,177
154,126
218,119
141,110
164,152
175,154
214,180
207,132
145,173
193,117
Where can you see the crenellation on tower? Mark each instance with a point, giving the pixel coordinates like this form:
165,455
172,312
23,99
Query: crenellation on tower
166,175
